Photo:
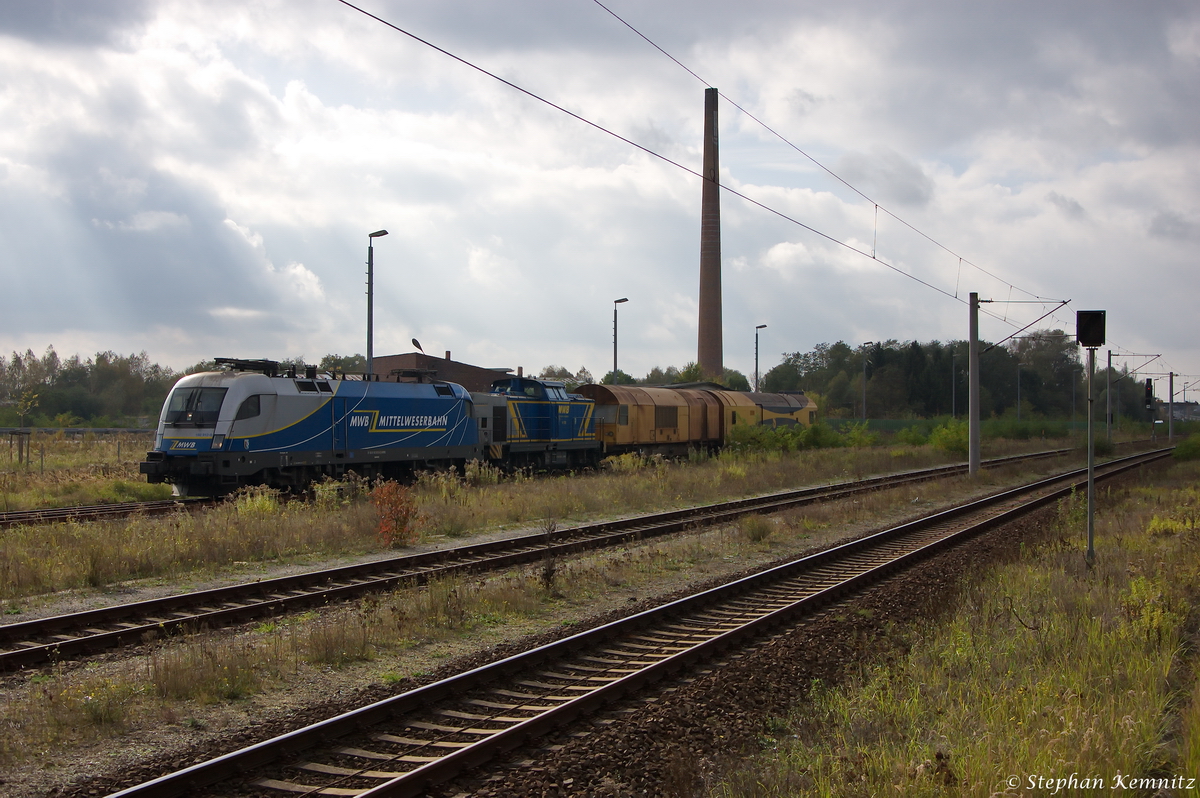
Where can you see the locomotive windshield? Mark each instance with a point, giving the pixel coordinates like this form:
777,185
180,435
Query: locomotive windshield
196,406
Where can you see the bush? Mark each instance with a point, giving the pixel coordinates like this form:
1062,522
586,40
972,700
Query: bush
953,436
627,463
911,436
756,527
821,436
256,501
858,436
1188,448
749,438
397,514
789,439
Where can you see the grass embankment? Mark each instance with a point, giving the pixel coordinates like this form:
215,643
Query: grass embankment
1048,668
63,471
186,677
258,528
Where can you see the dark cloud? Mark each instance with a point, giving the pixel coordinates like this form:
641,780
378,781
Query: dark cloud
887,176
1170,225
72,22
1067,205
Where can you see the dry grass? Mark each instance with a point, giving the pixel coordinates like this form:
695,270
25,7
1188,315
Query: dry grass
1048,668
189,672
454,507
87,469
258,527
254,527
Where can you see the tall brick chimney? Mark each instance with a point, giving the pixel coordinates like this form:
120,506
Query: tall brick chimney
710,353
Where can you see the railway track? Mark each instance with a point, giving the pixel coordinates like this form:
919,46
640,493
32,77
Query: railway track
65,637
95,512
404,745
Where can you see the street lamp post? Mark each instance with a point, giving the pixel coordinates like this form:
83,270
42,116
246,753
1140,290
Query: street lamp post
756,329
864,407
371,296
615,303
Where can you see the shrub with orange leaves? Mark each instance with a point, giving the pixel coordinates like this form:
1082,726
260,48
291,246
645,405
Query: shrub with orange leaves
397,514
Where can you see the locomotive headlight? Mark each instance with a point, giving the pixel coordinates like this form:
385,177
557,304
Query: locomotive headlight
218,441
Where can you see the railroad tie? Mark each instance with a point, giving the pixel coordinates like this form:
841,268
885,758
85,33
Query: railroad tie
305,789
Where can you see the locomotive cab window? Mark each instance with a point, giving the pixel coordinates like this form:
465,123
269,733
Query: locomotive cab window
324,387
623,416
305,386
196,406
251,407
443,390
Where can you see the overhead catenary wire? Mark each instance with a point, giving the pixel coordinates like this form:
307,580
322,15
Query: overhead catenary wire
854,189
822,166
650,152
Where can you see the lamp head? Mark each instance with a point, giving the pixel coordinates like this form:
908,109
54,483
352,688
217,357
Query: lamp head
377,234
619,301
761,326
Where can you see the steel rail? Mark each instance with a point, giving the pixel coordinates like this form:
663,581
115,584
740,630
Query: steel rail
50,515
858,562
61,637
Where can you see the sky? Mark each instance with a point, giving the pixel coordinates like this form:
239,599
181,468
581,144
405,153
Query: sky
196,180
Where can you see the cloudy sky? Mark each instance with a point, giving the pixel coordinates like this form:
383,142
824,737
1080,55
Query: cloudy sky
198,179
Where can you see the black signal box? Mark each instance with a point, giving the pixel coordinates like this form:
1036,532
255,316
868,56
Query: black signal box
1089,328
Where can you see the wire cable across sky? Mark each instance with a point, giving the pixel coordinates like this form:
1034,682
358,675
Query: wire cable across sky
874,256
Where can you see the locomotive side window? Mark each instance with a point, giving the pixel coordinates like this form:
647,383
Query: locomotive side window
249,409
305,386
623,416
198,406
443,390
324,387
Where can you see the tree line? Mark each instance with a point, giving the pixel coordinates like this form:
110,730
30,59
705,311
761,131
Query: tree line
1040,374
671,375
902,379
108,389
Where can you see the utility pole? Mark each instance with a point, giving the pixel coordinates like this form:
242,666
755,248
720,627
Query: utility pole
1089,333
615,303
1170,406
1091,464
371,296
973,388
756,329
1108,398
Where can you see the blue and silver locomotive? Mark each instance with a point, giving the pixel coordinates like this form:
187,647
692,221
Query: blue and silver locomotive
255,423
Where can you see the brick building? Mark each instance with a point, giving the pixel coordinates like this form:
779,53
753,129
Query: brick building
473,378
